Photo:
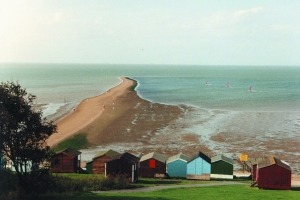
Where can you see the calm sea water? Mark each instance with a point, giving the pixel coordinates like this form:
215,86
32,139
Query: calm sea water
254,101
212,87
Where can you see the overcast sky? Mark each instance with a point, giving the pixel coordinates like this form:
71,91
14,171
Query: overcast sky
201,32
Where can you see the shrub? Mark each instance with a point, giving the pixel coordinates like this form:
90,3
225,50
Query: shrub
8,185
80,182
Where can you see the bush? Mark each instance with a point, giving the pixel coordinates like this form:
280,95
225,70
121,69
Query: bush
44,183
63,183
8,185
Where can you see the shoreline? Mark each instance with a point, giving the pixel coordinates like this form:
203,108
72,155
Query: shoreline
127,119
66,120
117,115
131,123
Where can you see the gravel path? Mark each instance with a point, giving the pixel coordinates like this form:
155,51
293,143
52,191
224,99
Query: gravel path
163,187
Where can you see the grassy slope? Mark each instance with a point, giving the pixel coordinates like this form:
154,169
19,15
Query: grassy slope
77,142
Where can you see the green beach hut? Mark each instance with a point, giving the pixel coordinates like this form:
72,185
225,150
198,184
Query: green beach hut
221,167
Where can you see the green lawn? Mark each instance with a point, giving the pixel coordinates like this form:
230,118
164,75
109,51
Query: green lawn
238,192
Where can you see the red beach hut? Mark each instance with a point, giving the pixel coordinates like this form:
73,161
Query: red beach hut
152,165
272,173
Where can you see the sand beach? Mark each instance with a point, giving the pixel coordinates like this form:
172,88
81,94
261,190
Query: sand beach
121,120
87,112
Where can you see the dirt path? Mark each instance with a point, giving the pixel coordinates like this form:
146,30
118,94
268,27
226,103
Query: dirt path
163,187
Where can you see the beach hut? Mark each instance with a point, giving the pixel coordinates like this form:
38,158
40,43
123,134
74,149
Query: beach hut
253,163
89,167
199,167
152,165
2,161
66,161
125,164
272,173
98,164
176,165
221,167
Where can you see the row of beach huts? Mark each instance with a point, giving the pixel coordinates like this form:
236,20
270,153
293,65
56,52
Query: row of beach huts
267,172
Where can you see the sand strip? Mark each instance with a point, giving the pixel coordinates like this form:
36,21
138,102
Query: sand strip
86,112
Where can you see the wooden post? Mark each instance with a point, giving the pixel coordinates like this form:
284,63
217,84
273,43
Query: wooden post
132,173
105,170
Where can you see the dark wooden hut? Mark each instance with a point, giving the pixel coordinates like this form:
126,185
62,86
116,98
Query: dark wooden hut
125,164
152,165
66,161
221,167
99,161
272,173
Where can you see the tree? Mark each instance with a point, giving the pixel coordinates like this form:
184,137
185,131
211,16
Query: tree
23,132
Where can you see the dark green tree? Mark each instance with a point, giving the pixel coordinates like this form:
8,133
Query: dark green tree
23,132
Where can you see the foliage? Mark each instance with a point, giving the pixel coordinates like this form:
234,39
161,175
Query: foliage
87,182
132,88
77,142
23,134
8,184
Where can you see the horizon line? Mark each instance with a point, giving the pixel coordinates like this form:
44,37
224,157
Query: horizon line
153,64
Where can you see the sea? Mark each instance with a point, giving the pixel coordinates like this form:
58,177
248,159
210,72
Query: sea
256,104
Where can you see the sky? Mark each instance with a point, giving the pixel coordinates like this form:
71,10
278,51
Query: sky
193,32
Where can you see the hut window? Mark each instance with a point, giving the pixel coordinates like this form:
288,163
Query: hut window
152,164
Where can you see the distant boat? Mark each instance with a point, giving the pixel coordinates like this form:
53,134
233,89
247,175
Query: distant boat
207,83
250,88
228,84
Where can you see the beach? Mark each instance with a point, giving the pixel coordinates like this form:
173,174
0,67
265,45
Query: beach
87,112
121,120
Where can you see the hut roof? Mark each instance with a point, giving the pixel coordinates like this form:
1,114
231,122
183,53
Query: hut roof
273,161
69,151
201,155
223,158
153,155
110,153
179,156
128,157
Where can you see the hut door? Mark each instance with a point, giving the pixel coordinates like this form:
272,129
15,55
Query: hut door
152,164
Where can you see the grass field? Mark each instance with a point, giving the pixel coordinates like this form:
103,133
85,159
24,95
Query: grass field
232,192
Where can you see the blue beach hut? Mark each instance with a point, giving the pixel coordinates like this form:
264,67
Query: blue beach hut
176,165
199,167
